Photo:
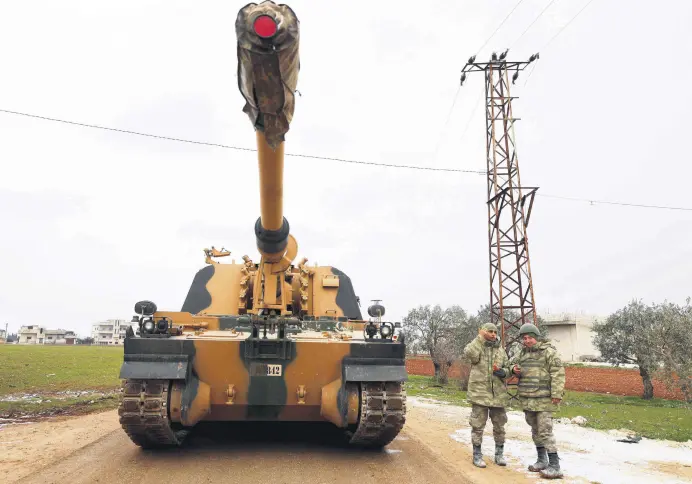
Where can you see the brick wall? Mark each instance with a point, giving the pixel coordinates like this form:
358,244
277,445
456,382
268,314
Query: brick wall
425,367
616,381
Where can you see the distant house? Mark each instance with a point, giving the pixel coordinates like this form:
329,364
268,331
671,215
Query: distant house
32,335
571,334
109,332
38,335
59,337
3,336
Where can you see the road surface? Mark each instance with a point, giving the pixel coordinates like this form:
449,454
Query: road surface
93,449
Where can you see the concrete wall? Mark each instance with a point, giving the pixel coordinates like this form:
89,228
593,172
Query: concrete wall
564,338
571,334
585,345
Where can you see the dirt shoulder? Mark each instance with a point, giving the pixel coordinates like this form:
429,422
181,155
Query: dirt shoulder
27,446
432,430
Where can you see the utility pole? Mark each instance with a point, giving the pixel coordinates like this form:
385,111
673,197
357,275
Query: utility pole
509,204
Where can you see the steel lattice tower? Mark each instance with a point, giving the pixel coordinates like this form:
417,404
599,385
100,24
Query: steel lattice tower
509,204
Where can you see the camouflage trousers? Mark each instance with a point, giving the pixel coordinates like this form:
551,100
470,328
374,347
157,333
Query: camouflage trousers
478,418
542,429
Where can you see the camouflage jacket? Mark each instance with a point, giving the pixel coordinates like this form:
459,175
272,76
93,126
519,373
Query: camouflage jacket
485,388
542,377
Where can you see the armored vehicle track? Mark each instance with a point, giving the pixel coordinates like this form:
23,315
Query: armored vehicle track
143,412
382,414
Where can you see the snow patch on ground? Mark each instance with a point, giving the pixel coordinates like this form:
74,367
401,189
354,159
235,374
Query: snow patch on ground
586,455
48,397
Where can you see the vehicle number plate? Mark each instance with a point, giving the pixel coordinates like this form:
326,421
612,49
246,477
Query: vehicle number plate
273,370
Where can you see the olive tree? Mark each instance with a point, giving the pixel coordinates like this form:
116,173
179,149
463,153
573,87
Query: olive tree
630,335
671,345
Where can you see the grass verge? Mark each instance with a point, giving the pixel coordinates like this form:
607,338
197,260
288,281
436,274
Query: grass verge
653,419
52,380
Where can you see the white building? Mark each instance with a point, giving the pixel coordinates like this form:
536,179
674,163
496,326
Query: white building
59,337
38,335
31,335
571,334
3,335
109,332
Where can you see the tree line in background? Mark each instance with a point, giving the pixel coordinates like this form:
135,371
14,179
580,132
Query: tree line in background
443,333
656,338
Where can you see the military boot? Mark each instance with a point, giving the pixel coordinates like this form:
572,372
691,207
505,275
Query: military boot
499,458
553,470
542,461
478,456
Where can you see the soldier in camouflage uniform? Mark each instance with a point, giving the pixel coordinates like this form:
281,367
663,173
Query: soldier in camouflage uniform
487,391
540,390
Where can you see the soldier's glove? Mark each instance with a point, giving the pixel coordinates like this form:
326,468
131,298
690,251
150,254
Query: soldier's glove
500,372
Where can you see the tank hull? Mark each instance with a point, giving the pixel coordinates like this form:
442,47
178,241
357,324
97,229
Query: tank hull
172,384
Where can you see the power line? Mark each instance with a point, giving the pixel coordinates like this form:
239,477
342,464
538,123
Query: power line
449,116
482,172
498,27
534,21
592,202
468,123
218,145
566,25
437,147
545,46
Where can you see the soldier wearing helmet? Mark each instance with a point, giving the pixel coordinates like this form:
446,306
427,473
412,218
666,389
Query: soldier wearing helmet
487,391
540,390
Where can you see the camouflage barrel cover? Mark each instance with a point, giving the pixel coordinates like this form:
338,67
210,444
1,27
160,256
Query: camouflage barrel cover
485,388
268,69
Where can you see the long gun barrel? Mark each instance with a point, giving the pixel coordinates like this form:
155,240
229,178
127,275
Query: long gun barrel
268,65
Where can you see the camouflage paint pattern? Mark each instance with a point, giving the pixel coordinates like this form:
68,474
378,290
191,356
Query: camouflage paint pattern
485,388
479,417
542,429
268,71
542,377
218,360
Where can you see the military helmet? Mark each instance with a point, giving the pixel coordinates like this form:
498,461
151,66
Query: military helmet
529,328
489,327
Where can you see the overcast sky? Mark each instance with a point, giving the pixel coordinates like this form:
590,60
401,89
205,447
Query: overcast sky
93,221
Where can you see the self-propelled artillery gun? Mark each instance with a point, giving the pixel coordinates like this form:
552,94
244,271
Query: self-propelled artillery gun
269,340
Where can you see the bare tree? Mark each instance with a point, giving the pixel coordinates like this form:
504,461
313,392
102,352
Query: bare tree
444,358
434,330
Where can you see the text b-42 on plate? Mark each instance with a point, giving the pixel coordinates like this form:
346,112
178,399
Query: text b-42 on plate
273,370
